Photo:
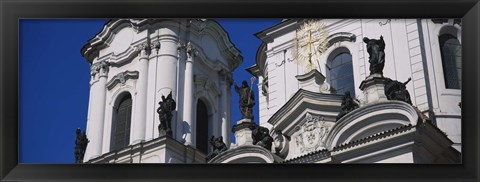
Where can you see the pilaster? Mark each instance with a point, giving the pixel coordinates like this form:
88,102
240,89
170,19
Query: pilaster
139,122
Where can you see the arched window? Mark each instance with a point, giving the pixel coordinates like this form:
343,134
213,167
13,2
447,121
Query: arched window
122,116
340,72
451,51
202,127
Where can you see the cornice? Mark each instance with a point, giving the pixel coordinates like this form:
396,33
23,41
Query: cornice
366,115
245,149
375,137
310,157
299,98
91,50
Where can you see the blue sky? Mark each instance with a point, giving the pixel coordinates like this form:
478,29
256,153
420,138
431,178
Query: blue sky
54,81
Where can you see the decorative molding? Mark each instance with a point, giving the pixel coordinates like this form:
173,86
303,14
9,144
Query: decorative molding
367,119
341,37
386,22
385,134
302,97
246,152
122,58
311,157
445,20
122,77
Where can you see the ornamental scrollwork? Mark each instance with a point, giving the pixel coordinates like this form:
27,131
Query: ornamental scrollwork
312,134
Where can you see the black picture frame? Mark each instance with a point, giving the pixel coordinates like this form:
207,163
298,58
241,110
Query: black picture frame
11,11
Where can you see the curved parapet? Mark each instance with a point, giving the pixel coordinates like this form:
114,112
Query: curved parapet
370,120
245,154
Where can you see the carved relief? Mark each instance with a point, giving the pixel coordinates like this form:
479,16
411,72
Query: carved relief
312,134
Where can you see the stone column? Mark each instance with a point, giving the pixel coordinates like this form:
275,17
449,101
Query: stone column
181,51
189,101
150,102
99,72
139,120
225,128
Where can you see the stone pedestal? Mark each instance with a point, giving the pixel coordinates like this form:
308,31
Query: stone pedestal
243,132
373,88
314,81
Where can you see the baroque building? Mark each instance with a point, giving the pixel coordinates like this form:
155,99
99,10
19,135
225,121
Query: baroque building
305,67
330,91
134,63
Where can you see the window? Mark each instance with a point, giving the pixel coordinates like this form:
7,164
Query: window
451,52
122,115
340,73
202,127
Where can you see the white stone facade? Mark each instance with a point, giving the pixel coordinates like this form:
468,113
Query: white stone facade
193,59
412,51
149,58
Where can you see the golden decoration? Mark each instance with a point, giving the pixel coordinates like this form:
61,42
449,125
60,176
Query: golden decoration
310,43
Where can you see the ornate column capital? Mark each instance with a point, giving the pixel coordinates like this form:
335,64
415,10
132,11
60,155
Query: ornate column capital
181,46
100,68
144,49
155,46
191,51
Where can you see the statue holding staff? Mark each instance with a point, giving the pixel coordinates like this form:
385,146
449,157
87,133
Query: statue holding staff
246,101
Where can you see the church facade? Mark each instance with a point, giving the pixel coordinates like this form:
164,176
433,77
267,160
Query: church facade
305,68
330,91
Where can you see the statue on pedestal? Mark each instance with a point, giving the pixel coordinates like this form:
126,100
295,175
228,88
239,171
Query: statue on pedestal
81,143
217,147
375,49
167,106
247,100
395,90
348,105
262,138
